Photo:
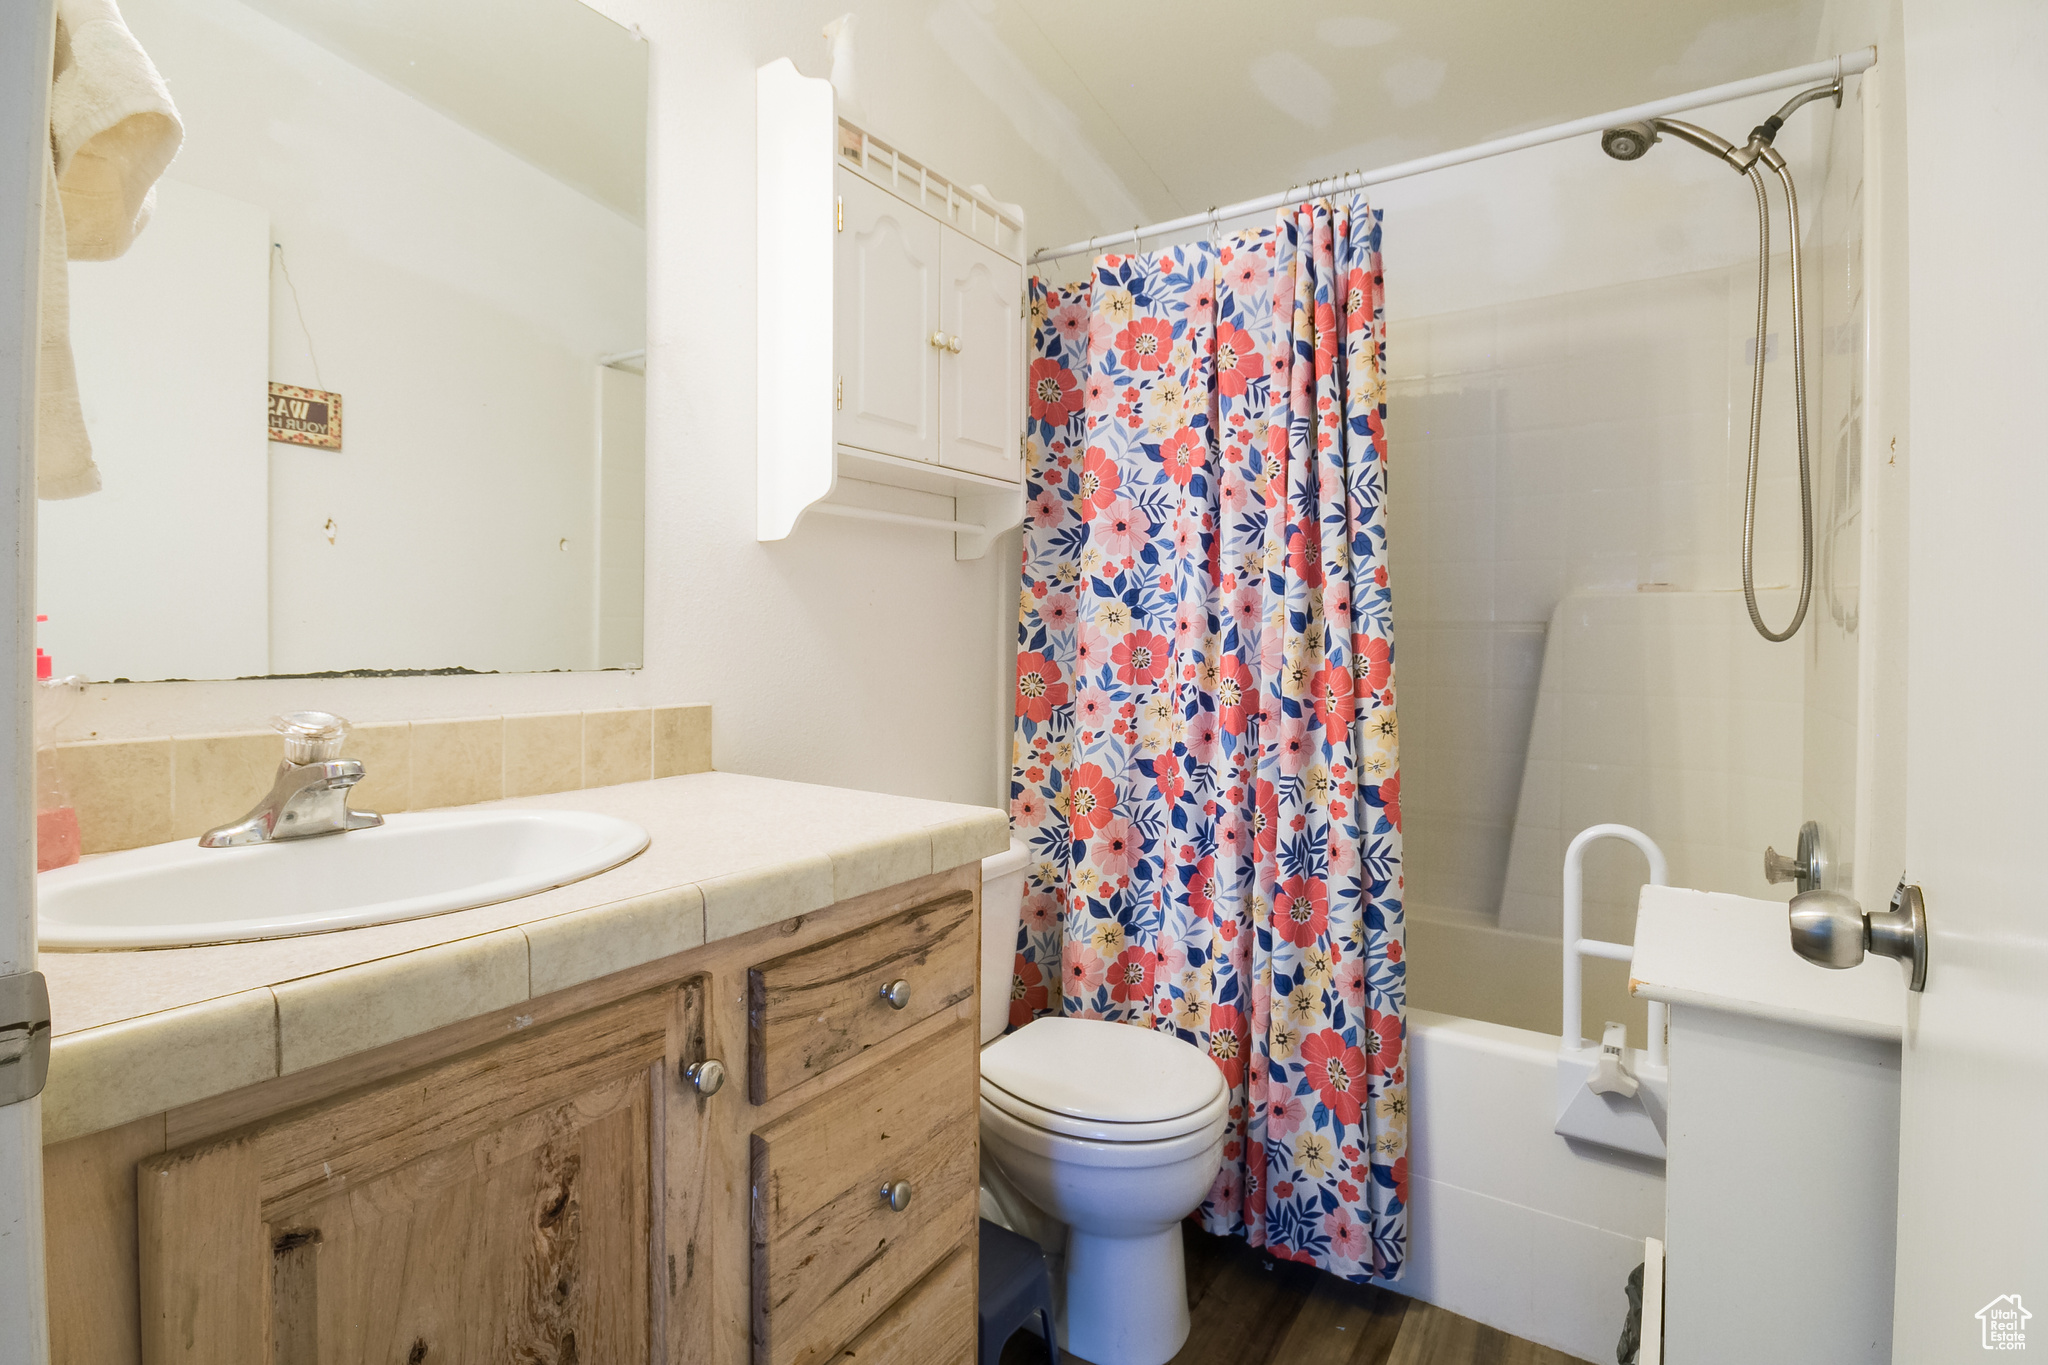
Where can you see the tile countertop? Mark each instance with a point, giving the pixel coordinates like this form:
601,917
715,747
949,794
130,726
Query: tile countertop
136,1033
1734,954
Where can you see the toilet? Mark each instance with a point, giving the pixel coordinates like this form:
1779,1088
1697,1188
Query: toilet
1099,1138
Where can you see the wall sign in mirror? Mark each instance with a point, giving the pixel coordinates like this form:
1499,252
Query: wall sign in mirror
369,201
305,417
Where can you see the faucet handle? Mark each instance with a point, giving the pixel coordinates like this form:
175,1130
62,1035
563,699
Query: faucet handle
310,736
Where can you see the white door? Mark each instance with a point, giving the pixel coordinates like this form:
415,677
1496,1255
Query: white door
25,31
886,310
1973,1181
981,376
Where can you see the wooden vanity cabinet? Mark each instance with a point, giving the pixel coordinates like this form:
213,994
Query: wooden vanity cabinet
498,1206
547,1185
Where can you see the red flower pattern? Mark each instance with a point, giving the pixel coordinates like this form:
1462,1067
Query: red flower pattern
1168,795
1141,657
1040,689
1337,1071
1055,393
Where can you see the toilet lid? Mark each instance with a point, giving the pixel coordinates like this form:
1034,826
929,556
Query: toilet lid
1093,1069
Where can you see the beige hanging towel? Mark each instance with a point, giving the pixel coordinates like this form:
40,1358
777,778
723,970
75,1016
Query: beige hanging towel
113,130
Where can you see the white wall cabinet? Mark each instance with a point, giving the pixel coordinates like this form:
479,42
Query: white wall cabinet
891,331
981,368
885,314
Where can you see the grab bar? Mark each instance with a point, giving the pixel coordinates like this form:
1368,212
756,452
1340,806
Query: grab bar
1577,946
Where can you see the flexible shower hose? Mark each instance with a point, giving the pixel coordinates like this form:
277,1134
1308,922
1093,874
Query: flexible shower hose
1756,409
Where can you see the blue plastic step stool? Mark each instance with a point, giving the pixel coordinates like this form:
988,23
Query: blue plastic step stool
1016,1286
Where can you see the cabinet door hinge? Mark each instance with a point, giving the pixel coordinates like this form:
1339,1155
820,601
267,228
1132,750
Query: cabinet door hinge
839,394
838,214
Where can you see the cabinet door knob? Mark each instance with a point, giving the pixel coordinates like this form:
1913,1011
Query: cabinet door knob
896,1194
706,1076
953,344
897,993
939,341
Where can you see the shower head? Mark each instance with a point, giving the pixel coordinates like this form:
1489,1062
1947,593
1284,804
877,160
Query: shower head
1629,141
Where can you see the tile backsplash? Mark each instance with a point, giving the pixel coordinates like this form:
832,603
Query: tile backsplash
131,792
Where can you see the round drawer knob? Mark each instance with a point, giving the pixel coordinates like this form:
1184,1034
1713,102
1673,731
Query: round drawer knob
896,1194
897,993
953,344
706,1076
939,340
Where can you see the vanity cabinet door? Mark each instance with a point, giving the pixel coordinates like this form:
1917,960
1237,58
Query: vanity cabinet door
832,1257
981,384
885,309
498,1206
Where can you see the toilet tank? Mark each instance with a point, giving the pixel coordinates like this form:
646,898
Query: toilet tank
1002,910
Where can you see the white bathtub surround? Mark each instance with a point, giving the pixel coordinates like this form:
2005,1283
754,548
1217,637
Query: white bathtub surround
1782,1177
1660,710
1591,443
1512,1224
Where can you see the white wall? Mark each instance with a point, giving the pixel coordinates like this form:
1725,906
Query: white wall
858,655
622,517
164,573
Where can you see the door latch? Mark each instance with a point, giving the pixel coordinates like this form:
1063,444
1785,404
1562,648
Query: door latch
24,1036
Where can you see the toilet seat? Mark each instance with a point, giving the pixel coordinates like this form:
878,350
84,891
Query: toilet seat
1104,1130
1102,1082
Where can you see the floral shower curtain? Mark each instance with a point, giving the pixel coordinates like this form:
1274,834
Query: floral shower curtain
1205,614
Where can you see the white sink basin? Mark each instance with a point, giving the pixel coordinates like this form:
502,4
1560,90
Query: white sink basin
175,895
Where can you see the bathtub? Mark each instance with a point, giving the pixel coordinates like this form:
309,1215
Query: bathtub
1509,1223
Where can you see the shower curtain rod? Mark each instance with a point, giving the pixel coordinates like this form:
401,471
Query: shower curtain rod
1846,64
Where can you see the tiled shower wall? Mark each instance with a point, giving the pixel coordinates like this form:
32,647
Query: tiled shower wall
1588,449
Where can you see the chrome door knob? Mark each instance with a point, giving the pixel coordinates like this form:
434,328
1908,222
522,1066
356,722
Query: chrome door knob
1830,930
896,1194
897,993
706,1077
1827,928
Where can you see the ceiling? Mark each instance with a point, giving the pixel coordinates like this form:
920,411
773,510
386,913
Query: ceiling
1195,103
552,81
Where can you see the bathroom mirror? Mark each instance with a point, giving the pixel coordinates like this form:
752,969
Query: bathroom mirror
437,213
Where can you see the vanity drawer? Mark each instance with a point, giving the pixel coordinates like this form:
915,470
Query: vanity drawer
810,1010
829,1253
933,1324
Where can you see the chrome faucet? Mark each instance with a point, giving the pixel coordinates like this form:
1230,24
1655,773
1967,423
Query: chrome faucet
310,794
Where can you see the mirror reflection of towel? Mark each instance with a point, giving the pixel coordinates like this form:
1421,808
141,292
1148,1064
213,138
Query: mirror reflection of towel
113,130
